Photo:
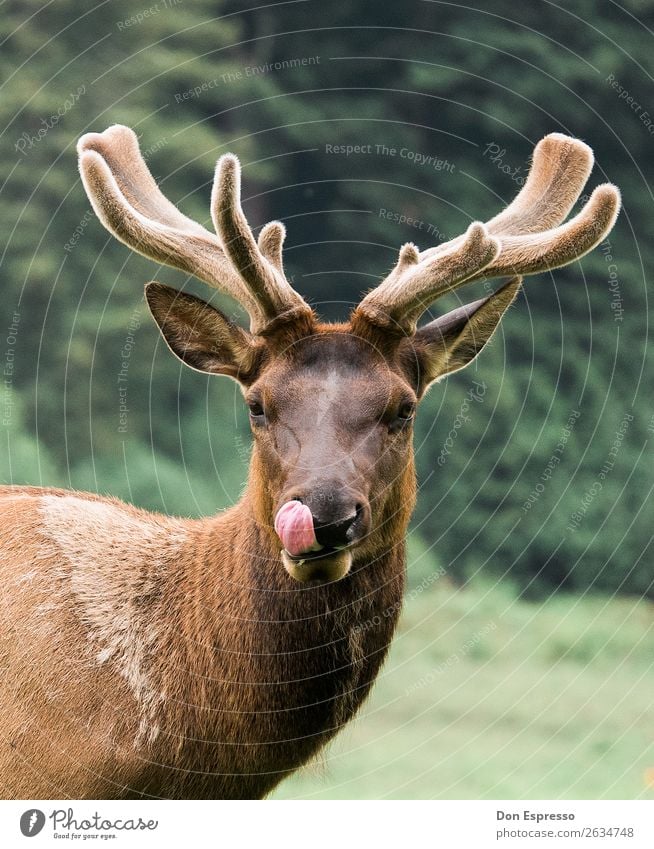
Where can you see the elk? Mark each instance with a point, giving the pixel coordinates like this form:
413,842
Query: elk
151,656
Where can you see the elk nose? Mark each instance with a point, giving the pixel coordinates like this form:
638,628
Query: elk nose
341,532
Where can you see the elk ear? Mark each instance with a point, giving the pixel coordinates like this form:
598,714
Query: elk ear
200,335
451,342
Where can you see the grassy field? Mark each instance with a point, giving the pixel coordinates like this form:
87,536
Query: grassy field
486,696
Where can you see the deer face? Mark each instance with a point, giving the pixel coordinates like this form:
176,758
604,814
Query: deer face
332,420
332,423
331,407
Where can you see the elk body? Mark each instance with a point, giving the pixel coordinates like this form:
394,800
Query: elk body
152,656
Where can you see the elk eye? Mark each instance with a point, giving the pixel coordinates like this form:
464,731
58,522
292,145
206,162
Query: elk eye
257,413
404,416
406,411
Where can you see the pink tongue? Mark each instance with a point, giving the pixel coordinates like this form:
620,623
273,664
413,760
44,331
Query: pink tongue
294,527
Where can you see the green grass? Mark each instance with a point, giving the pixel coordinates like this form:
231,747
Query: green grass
486,696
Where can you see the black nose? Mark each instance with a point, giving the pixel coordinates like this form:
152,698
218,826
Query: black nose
332,534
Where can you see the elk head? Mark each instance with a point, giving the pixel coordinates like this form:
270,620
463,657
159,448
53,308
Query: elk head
332,406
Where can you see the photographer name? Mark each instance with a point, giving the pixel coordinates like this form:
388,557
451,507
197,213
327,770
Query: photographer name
533,816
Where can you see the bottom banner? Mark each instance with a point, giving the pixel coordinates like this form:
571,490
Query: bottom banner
313,824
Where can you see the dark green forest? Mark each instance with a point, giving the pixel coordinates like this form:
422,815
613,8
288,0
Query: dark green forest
362,126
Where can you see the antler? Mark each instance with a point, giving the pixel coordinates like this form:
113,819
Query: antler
525,238
129,203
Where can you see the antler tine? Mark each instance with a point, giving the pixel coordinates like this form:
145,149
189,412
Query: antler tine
270,243
119,148
535,252
560,168
559,171
259,264
526,231
415,281
129,203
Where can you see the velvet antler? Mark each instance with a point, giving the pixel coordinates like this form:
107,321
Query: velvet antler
129,203
527,237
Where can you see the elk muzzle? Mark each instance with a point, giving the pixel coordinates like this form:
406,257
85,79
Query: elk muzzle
317,543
